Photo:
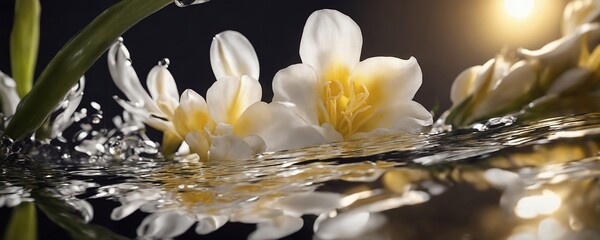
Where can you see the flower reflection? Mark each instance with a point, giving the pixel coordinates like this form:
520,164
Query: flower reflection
275,201
536,205
11,196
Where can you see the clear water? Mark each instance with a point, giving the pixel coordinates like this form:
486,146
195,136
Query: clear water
499,180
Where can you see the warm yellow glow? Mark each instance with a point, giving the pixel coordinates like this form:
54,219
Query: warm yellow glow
533,206
518,8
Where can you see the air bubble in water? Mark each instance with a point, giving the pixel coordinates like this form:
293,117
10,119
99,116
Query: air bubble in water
185,3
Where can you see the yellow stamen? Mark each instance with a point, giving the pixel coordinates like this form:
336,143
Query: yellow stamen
344,102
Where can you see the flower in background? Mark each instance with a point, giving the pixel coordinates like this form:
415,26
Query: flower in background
579,12
8,94
155,109
207,125
512,80
333,96
495,85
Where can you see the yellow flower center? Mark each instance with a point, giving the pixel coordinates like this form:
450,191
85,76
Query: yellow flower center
344,102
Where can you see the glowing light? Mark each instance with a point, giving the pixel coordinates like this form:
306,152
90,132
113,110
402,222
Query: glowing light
518,8
533,206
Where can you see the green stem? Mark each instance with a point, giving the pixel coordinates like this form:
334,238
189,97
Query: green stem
76,57
23,223
24,40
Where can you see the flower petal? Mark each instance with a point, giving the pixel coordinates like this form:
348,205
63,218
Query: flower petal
278,227
124,76
464,85
72,100
579,12
569,80
519,82
330,39
310,203
192,114
167,224
564,52
228,98
229,147
346,225
298,84
126,209
280,126
408,116
231,54
388,79
8,94
199,143
210,224
162,86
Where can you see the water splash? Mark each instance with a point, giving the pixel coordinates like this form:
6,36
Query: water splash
373,183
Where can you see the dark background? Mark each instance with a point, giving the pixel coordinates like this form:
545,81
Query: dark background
446,37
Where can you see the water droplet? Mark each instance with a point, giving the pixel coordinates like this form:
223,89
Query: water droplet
185,3
164,62
96,105
120,40
96,118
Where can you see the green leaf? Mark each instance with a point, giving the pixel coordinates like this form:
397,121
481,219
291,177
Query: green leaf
23,223
76,57
24,40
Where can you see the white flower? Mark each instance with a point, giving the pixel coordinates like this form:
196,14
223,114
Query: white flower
333,96
63,113
510,81
155,109
8,95
495,85
579,12
208,126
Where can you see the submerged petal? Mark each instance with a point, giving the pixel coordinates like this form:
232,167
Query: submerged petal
230,147
330,39
231,54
